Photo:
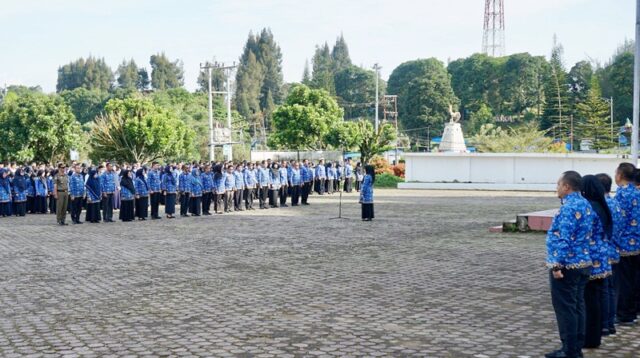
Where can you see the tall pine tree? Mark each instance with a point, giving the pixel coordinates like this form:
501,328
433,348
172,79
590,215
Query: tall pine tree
556,113
128,74
323,70
166,74
340,55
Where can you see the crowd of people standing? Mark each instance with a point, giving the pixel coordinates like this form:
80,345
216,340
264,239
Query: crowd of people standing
138,191
593,253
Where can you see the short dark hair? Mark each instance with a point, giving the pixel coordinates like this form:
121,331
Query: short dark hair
606,181
626,171
573,179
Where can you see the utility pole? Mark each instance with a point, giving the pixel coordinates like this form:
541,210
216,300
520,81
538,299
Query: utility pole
611,105
227,71
636,89
208,67
391,114
377,68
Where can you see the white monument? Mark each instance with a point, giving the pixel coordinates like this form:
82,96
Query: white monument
452,138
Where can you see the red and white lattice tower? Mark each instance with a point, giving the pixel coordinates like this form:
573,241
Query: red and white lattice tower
493,34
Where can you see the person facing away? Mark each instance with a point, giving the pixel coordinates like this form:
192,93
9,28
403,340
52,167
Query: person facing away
569,264
366,193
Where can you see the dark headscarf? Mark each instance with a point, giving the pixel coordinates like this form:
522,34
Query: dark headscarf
140,174
19,180
5,182
93,184
368,169
593,190
169,173
127,182
217,172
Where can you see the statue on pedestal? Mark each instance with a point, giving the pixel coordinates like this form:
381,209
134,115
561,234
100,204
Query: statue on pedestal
452,138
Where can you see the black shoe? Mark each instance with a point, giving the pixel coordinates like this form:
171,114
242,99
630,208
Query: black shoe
284,205
195,215
612,331
78,222
306,204
626,323
556,354
62,223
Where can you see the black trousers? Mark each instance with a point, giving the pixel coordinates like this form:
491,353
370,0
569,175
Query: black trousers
195,205
306,189
263,193
184,203
283,193
367,211
93,212
274,197
76,208
142,207
567,297
107,207
52,204
321,186
238,195
20,208
347,185
206,202
248,198
627,287
593,298
295,195
329,186
155,203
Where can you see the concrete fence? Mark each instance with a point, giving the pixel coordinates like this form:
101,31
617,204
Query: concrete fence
294,155
500,171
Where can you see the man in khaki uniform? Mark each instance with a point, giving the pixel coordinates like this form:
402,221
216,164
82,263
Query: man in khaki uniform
61,194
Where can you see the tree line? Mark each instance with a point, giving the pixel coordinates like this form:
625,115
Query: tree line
543,93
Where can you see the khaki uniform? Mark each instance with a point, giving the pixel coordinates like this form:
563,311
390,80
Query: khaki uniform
62,187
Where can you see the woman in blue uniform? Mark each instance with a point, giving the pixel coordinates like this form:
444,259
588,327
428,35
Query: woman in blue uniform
52,199
41,192
168,187
20,189
195,200
5,193
31,191
94,197
142,195
274,176
366,193
184,187
127,195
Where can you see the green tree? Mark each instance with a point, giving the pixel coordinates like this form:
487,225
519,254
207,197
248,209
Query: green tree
373,143
356,91
616,79
594,118
218,79
85,104
524,138
476,81
135,130
37,127
322,75
557,93
305,119
306,74
424,94
522,84
478,118
164,73
270,57
579,82
143,82
340,55
91,73
127,74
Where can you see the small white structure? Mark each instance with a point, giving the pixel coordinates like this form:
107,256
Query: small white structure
452,138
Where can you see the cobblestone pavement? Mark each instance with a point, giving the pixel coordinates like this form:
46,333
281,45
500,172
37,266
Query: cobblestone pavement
425,279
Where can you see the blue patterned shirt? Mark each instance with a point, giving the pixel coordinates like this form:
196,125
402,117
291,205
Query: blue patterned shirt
599,251
570,233
41,187
108,182
125,194
76,185
229,181
348,171
366,191
153,179
618,229
184,183
141,189
196,184
250,178
628,197
239,178
275,179
295,177
169,185
321,171
262,176
284,176
207,182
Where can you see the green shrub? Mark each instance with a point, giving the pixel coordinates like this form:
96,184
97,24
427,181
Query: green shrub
387,181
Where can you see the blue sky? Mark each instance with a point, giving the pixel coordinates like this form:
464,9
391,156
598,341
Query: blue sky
38,36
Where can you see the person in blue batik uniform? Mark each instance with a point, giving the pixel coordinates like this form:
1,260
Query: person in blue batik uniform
238,195
41,192
250,185
155,189
274,190
94,197
569,262
321,176
169,188
5,193
184,188
229,188
599,251
127,196
628,197
366,193
264,182
219,179
295,179
195,199
52,199
77,193
20,188
284,183
142,195
108,186
609,288
207,190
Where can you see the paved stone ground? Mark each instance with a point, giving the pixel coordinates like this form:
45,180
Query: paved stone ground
425,279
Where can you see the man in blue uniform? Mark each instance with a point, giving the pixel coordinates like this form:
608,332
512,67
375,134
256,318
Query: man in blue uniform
250,182
108,186
155,192
207,189
295,178
229,188
77,193
321,176
569,263
264,181
238,195
348,175
184,188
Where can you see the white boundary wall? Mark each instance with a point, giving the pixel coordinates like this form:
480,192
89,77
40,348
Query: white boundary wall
500,171
257,155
